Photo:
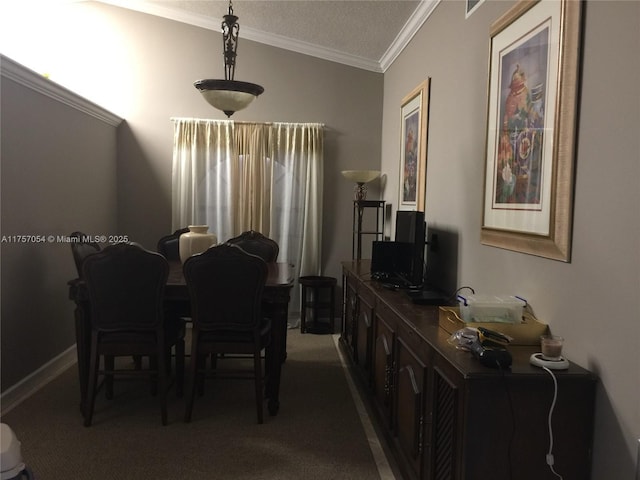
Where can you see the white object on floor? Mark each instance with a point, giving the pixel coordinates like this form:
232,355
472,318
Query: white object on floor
10,456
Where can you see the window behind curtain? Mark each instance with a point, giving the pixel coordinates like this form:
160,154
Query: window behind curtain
247,176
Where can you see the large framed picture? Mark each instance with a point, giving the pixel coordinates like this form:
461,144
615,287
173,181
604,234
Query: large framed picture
531,125
413,150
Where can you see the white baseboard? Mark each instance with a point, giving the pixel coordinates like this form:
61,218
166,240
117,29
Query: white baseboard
29,385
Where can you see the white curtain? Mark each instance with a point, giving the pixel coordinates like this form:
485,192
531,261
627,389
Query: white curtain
237,176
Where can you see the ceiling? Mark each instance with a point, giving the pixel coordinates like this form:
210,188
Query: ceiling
367,34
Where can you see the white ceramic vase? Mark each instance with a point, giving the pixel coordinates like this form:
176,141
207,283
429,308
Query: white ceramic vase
196,240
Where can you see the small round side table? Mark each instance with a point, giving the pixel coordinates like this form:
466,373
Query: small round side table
318,297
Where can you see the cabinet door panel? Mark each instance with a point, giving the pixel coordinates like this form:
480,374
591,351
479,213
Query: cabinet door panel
350,314
364,334
444,436
410,408
383,369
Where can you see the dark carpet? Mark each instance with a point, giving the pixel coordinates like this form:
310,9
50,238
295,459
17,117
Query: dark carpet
317,433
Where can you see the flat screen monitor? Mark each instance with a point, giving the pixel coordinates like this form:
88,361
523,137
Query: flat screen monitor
441,272
410,228
442,260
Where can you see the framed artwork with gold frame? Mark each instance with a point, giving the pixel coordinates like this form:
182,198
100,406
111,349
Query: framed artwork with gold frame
531,128
413,149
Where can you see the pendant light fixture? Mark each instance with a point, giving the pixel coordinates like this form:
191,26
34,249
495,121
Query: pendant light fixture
229,95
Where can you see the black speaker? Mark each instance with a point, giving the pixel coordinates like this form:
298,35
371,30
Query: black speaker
410,228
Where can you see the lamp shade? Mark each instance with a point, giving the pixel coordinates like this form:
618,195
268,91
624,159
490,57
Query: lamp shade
361,176
228,95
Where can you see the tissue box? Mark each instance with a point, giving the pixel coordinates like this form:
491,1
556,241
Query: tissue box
526,332
491,308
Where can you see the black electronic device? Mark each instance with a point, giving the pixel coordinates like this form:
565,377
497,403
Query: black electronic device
391,261
440,277
427,297
494,355
410,228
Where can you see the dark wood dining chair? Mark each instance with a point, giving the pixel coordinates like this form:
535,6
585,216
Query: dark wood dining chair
169,245
257,244
81,248
225,286
126,286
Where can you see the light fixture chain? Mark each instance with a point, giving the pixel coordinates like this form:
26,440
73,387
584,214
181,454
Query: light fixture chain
230,32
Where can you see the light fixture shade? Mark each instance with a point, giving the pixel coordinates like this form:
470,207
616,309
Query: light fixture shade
228,95
361,176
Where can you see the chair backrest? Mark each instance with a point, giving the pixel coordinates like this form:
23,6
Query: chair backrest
126,288
81,248
257,244
169,245
225,286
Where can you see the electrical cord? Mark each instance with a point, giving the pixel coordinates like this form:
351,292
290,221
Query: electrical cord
549,457
454,295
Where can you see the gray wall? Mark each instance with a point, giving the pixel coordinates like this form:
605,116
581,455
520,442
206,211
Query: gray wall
590,301
58,175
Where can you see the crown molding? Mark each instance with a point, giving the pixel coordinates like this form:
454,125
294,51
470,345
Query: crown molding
410,28
28,78
311,49
413,24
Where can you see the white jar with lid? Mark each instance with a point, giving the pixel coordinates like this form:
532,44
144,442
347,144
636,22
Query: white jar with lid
196,240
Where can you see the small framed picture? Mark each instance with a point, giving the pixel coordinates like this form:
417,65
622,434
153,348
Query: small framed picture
413,150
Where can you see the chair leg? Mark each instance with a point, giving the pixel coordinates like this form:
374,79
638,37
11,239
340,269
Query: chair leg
191,390
162,381
303,311
109,366
201,366
92,382
191,383
180,368
153,366
257,370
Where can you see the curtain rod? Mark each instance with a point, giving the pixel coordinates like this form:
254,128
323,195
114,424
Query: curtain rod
175,119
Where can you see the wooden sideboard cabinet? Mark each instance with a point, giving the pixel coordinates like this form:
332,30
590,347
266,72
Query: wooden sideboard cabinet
443,414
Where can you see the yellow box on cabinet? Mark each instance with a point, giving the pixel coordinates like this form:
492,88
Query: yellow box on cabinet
526,333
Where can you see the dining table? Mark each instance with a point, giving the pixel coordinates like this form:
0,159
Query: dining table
275,305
